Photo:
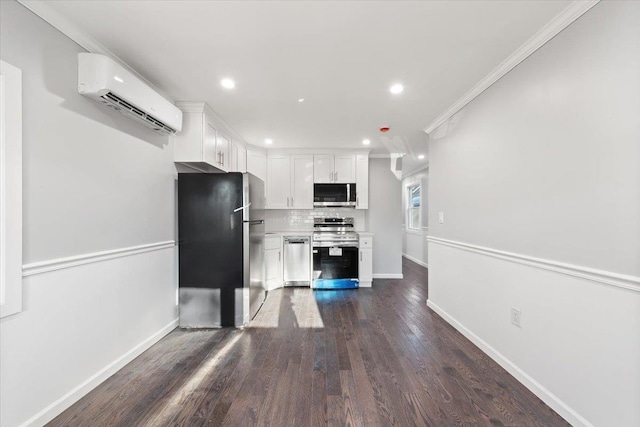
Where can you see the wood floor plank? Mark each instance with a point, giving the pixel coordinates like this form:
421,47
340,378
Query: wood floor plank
367,357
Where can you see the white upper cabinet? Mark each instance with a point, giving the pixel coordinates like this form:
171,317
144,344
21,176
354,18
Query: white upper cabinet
322,168
257,164
289,181
339,168
362,181
223,149
345,168
239,157
203,144
278,181
233,156
302,181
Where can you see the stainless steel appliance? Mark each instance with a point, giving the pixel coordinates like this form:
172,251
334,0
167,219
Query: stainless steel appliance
334,195
335,254
297,260
221,248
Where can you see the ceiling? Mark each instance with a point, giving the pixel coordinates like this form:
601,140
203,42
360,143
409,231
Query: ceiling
341,57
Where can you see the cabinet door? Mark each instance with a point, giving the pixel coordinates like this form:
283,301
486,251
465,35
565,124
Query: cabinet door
278,182
345,168
302,181
238,158
362,181
242,159
365,268
223,149
233,156
272,262
189,143
322,168
209,151
257,164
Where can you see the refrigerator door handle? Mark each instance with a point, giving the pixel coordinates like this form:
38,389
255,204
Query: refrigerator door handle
241,208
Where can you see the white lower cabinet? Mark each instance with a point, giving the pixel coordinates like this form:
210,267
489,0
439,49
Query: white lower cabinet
273,262
365,266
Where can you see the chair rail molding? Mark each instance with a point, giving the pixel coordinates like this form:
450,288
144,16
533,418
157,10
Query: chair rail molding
561,21
631,283
77,260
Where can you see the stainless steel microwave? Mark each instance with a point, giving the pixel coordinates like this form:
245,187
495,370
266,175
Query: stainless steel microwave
334,195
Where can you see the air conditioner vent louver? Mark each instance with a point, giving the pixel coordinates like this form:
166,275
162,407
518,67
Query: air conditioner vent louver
103,80
124,107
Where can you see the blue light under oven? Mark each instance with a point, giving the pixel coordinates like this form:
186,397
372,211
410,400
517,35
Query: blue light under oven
335,284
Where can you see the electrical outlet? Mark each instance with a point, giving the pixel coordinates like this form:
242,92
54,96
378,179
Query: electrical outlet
516,316
441,217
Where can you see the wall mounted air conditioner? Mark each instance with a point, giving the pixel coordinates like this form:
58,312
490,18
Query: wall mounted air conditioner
107,82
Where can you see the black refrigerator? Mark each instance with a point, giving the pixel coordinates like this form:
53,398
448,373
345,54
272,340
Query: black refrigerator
221,248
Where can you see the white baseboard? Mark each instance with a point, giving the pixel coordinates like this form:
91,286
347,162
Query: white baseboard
416,260
547,397
57,407
387,276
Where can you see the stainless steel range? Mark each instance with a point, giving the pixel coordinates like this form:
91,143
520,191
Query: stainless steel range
335,254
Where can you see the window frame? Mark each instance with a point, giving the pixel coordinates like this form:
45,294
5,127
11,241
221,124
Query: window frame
410,208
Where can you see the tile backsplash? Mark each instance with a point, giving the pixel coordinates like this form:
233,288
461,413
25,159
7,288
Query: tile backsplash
302,219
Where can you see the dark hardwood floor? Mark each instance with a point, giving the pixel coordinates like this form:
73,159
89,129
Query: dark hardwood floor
368,357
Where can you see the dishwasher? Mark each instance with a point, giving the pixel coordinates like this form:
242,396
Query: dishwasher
297,261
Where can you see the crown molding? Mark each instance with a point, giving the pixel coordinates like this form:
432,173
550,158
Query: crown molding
44,10
561,21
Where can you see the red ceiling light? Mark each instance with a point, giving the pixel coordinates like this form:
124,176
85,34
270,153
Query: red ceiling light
384,129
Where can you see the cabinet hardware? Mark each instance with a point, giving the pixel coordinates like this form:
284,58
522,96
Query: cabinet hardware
360,256
278,256
336,173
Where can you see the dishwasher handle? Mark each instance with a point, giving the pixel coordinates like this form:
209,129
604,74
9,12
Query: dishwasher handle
296,240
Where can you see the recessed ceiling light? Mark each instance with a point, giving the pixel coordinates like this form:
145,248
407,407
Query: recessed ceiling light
366,142
268,141
300,99
396,88
228,83
421,156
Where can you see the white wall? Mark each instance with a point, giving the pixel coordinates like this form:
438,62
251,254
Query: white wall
414,242
384,219
93,181
539,182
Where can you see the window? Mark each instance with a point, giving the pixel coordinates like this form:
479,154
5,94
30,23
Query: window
413,207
